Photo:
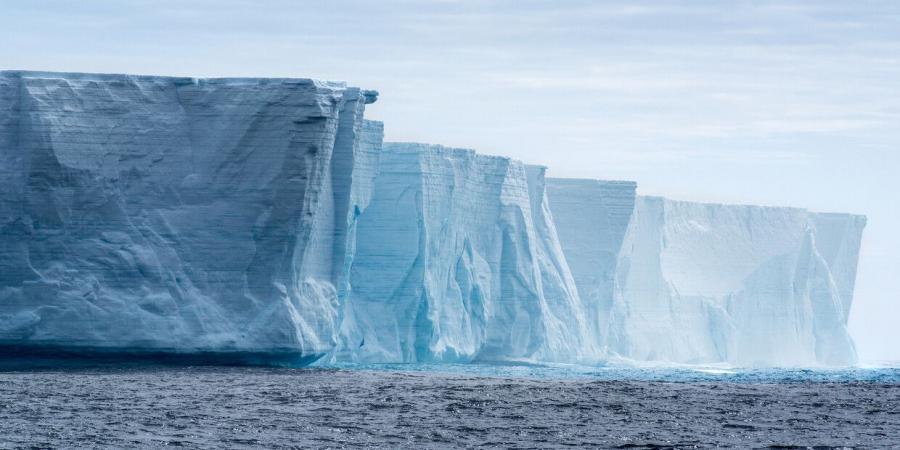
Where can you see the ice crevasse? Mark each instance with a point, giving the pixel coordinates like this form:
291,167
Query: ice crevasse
264,220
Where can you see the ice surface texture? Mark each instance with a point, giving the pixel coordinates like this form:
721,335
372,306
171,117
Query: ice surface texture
457,260
265,217
745,285
178,214
592,217
694,283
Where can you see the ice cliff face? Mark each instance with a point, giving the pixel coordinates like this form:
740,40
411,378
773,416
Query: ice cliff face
693,283
457,259
175,213
746,285
592,217
264,217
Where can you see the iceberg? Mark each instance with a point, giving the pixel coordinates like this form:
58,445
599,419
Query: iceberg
263,221
692,283
162,214
592,217
457,260
744,285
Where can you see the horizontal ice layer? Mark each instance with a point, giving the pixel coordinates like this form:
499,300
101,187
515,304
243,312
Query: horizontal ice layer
457,259
158,213
592,217
744,285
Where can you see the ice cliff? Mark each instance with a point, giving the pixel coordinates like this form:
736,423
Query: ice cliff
694,283
457,259
159,213
265,220
745,285
592,217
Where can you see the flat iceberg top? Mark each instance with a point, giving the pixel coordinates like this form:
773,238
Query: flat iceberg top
748,207
435,150
370,95
587,182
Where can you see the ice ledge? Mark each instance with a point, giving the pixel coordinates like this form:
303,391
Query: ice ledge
709,204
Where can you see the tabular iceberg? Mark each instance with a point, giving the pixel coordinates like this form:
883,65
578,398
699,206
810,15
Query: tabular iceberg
694,283
178,214
457,259
592,217
264,220
745,285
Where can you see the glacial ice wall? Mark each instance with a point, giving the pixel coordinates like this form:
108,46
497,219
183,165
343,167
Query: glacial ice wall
743,285
457,259
176,213
592,217
265,217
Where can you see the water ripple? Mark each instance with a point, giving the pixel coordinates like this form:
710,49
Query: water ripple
215,407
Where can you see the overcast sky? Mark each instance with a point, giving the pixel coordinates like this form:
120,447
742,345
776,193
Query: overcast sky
771,102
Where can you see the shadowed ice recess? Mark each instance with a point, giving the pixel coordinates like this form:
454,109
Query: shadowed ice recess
263,221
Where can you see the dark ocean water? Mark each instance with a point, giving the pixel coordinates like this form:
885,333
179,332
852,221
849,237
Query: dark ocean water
447,407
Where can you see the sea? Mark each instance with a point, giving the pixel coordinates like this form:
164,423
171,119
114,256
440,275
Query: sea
517,406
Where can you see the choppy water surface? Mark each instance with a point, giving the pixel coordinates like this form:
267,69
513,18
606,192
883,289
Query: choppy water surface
447,407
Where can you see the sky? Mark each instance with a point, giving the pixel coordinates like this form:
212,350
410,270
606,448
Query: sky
793,103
